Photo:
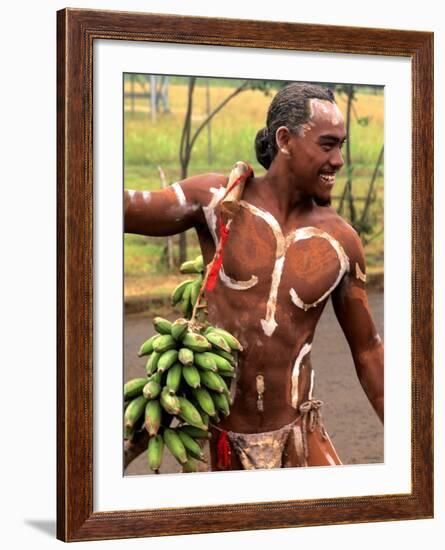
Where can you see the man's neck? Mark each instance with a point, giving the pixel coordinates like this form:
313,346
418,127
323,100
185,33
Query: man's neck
282,193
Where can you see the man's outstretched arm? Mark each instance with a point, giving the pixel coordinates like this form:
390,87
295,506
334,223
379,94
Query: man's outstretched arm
351,307
171,210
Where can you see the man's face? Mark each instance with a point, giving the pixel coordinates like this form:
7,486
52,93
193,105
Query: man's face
316,150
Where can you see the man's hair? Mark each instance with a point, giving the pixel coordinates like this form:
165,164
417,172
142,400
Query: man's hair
290,108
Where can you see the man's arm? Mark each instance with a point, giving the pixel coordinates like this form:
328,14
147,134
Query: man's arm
171,210
351,307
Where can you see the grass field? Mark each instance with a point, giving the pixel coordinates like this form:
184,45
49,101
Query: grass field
148,145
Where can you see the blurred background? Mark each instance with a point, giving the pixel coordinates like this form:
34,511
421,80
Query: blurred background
179,126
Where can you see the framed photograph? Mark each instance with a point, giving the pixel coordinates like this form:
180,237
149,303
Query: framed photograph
134,93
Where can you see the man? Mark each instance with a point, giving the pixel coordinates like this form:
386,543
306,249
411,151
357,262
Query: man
286,253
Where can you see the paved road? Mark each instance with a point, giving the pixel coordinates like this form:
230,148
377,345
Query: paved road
351,422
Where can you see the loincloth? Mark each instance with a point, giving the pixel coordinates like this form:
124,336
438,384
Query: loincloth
268,449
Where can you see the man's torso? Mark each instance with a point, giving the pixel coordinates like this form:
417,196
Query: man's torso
276,278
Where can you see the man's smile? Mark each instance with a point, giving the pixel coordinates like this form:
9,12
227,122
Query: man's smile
328,178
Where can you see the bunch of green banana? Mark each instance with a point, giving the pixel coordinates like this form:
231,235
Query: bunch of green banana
189,372
187,292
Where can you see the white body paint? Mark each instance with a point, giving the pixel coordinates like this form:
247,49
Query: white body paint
359,273
133,195
237,285
146,195
179,194
269,323
283,243
311,388
307,233
296,373
210,216
327,108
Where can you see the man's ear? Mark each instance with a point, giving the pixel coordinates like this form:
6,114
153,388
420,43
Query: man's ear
282,136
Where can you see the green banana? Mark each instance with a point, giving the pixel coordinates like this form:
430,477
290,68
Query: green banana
212,381
227,374
221,403
134,411
205,401
167,359
228,356
218,342
134,387
205,361
199,264
175,445
153,417
189,267
186,305
163,326
196,342
147,346
151,389
190,414
164,343
179,328
189,466
152,362
195,432
185,356
169,401
155,452
174,375
223,383
194,293
192,447
129,432
229,338
179,291
206,418
191,375
156,377
224,366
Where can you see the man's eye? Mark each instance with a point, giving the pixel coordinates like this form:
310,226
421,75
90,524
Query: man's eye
326,147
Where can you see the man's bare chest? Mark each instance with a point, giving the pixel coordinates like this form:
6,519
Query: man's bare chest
301,265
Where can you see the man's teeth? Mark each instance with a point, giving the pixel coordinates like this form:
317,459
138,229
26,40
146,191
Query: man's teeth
328,178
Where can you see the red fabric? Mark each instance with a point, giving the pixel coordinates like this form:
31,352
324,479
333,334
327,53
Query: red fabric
217,260
223,235
223,451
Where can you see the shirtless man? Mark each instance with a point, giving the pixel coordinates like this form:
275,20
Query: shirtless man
287,252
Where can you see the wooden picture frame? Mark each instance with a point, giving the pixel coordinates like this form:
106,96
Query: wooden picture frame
77,31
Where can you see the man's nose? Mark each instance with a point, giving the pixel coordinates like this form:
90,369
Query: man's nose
336,159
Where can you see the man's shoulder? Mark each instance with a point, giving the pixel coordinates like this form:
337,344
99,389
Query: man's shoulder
344,232
199,188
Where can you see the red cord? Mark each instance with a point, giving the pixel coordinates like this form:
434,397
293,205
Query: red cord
217,260
223,235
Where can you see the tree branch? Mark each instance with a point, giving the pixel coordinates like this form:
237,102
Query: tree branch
216,111
185,137
371,187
